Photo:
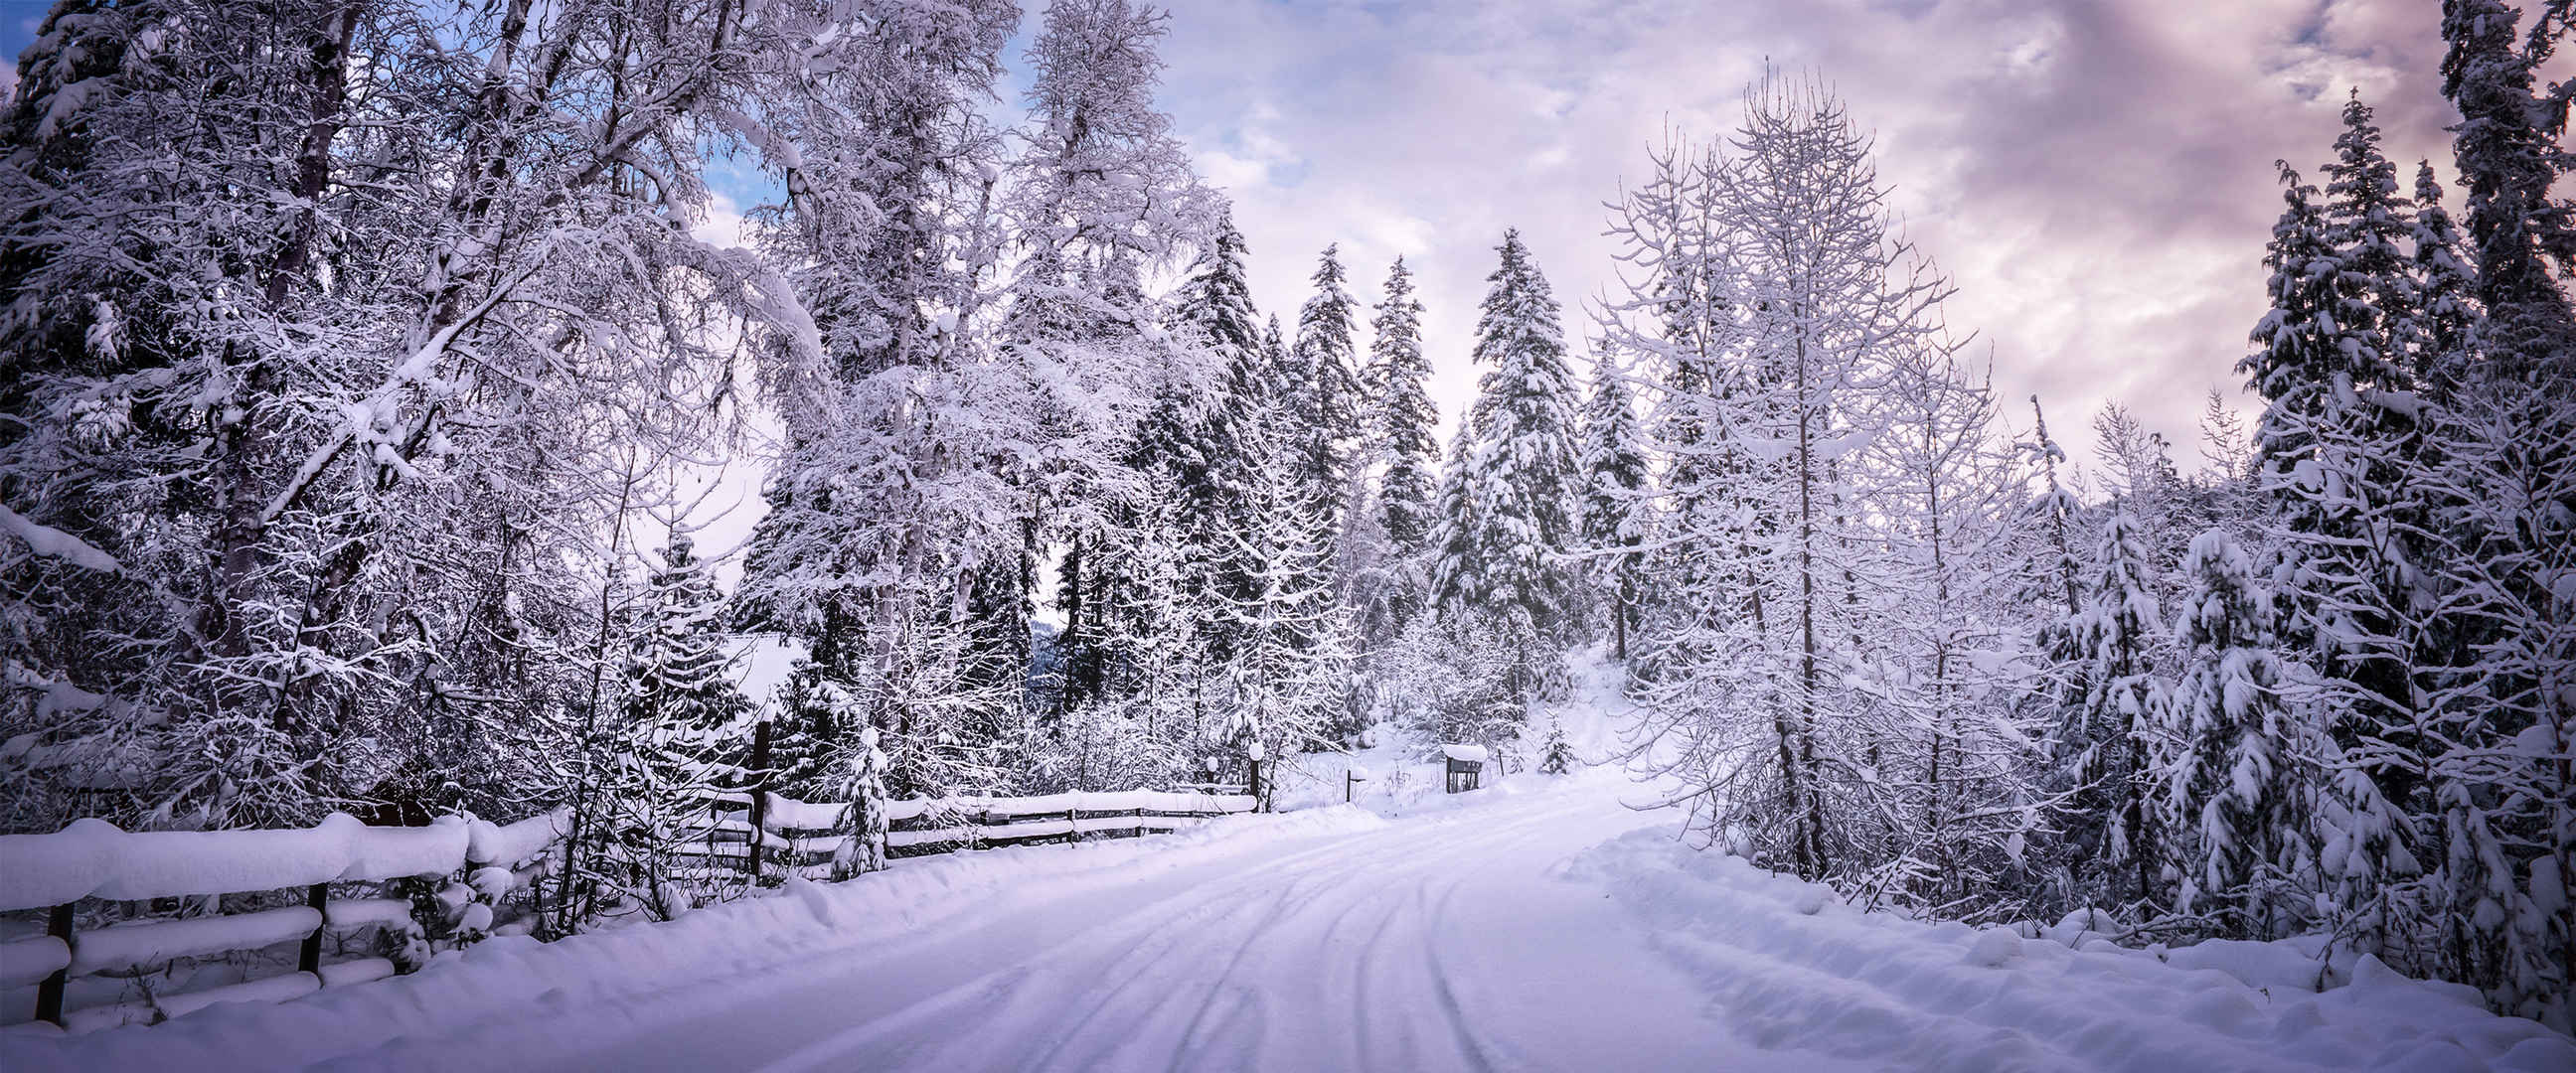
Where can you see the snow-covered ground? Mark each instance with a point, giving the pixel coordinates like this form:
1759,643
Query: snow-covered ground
1539,924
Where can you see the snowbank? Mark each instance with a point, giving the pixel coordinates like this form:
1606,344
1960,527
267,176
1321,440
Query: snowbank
1795,969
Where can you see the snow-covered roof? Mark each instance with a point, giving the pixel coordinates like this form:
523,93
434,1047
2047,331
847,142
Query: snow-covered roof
1470,753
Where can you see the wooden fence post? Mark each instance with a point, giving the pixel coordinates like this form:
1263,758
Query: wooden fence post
1255,784
309,959
49,994
759,795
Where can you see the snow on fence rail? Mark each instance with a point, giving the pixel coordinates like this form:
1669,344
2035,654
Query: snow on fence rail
388,894
284,881
803,837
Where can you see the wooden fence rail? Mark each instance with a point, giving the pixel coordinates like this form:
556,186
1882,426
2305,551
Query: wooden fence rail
803,837
390,893
282,884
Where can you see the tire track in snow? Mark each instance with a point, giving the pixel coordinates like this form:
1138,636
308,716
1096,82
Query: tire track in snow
1220,952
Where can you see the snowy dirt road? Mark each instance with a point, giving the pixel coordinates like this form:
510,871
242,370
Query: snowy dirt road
1436,943
1541,925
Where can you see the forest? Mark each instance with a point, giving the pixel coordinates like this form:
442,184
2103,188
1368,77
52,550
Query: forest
362,364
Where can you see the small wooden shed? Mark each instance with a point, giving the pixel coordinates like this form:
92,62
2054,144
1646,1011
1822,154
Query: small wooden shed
1466,766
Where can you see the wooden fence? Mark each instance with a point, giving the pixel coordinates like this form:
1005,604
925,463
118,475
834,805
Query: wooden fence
337,887
795,837
359,903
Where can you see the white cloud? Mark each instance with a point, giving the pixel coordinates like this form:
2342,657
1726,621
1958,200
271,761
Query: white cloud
2097,174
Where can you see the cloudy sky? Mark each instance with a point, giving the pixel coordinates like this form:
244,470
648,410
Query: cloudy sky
2096,174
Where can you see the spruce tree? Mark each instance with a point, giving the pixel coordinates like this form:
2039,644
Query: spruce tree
1202,441
1399,475
2510,160
1323,381
2238,795
1617,511
1403,419
1510,521
2103,746
1556,757
2298,346
2446,312
2508,457
1287,678
680,674
2345,505
2369,222
680,704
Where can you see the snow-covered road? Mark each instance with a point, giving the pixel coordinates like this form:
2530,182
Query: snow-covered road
1541,925
1438,942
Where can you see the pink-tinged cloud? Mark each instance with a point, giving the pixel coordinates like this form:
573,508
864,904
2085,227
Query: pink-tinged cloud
2097,174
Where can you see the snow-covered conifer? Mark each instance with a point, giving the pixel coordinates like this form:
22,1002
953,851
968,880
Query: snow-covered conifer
1618,508
2104,747
2240,788
1556,756
1510,521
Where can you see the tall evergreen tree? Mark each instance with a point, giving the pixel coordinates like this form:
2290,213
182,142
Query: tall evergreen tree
1398,472
680,707
1510,524
2509,465
2511,156
2446,312
1617,505
1403,421
1323,378
1287,680
1201,436
2342,514
2104,747
680,673
2239,795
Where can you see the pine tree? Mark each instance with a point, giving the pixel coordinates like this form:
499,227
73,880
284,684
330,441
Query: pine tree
2103,748
2506,462
2446,312
2369,221
2346,511
1618,509
2298,345
1404,418
1510,518
2239,793
1288,678
1200,437
1557,756
866,821
2510,160
680,671
1323,379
